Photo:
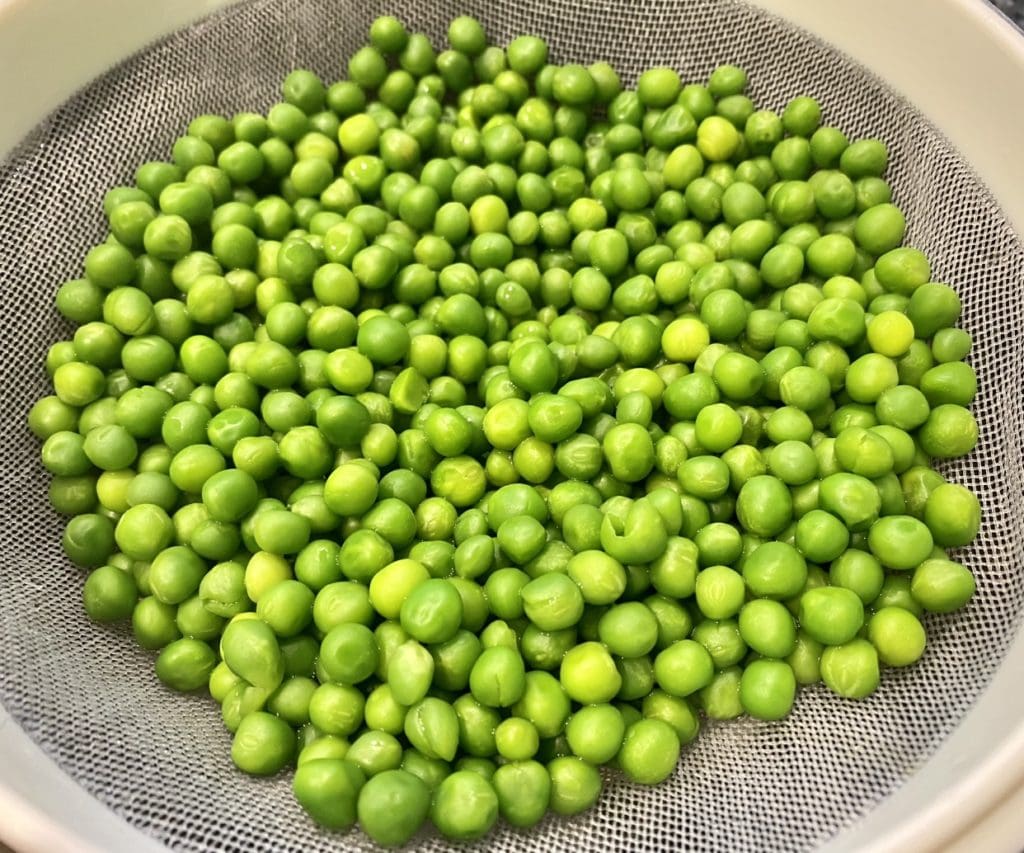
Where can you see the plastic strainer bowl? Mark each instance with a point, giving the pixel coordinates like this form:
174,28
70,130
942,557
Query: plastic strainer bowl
95,754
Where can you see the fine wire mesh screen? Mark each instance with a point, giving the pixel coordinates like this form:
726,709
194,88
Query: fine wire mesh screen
88,695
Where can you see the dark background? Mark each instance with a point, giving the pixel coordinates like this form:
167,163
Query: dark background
1013,9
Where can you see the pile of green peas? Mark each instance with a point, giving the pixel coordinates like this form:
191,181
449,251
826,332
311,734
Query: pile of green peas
474,422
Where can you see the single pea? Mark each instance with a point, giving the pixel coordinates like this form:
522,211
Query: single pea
831,615
465,806
775,570
392,806
350,490
375,752
858,571
951,345
348,653
767,627
851,670
953,515
720,700
153,623
523,789
185,664
767,689
900,542
575,785
516,739
941,586
263,744
432,611
553,601
328,789
950,431
764,506
251,650
852,498
588,674
78,384
601,579
109,594
629,630
143,531
897,635
683,668
432,727
650,751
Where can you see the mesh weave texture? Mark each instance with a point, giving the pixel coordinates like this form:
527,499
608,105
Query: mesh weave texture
88,696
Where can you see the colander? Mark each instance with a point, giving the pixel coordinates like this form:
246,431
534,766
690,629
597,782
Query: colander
96,755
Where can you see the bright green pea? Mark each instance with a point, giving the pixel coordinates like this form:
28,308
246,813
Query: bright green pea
251,650
523,789
465,806
588,674
263,744
432,612
650,751
767,689
683,668
941,586
851,670
900,542
392,806
109,594
767,627
952,514
328,789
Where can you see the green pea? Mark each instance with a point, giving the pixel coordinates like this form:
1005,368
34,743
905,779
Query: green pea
251,650
949,432
185,664
465,806
831,615
851,670
650,751
767,627
109,594
521,538
595,733
432,727
348,653
588,674
851,498
432,612
575,785
392,806
523,789
941,586
764,506
328,789
263,744
498,677
858,571
767,689
350,490
900,541
897,635
775,570
683,668
552,602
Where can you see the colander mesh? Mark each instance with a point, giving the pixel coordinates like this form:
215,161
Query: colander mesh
88,696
